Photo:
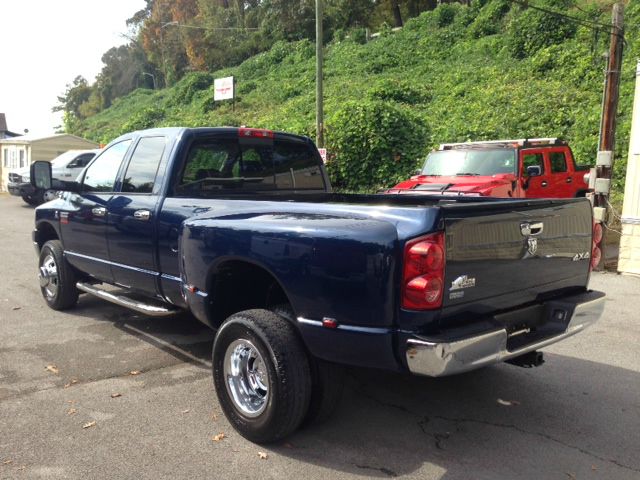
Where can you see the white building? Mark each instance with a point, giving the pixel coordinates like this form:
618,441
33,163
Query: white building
19,152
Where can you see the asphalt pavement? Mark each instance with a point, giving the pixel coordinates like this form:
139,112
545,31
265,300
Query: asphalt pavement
100,392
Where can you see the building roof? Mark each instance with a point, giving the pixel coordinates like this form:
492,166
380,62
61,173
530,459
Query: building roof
23,139
4,132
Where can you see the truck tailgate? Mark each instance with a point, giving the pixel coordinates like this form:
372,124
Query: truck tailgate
499,256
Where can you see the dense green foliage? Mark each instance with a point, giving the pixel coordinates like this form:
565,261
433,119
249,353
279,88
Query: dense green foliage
485,71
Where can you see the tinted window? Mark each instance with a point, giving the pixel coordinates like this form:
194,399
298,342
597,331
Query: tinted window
142,169
296,167
209,165
532,159
101,174
558,162
215,165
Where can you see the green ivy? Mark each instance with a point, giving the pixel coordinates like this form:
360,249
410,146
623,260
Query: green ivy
373,144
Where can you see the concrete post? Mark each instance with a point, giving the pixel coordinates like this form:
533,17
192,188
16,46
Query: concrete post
629,259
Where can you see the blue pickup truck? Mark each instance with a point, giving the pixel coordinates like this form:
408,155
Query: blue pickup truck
240,227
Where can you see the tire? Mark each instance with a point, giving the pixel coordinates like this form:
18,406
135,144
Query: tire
327,381
266,396
29,200
57,277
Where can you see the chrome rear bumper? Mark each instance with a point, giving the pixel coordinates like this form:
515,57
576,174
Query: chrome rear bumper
440,356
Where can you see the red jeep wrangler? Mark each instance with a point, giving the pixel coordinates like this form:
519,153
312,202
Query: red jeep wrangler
532,168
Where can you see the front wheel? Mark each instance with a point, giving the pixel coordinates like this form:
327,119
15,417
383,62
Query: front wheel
261,374
57,278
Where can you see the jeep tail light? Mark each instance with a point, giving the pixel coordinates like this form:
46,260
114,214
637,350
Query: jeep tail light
596,252
423,273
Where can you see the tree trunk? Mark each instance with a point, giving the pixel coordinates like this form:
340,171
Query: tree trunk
396,13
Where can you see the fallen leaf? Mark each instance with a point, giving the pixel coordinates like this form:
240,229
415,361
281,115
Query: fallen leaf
217,438
508,403
594,468
71,401
72,411
134,372
16,308
116,395
7,462
186,411
262,455
89,425
52,368
72,382
570,475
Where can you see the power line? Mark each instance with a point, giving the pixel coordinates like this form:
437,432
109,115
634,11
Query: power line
594,25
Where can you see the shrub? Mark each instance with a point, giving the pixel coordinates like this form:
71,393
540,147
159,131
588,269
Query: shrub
146,118
532,30
184,91
398,91
488,21
374,144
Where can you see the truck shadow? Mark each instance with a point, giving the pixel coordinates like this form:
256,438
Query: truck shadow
570,418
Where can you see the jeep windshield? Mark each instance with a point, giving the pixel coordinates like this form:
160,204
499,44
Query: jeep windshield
470,162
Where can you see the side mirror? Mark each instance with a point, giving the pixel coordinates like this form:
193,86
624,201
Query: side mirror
41,175
534,171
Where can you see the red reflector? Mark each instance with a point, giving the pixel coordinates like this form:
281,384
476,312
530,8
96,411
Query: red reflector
191,288
255,133
329,323
597,233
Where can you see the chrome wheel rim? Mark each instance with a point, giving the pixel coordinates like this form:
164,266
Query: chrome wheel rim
246,377
49,280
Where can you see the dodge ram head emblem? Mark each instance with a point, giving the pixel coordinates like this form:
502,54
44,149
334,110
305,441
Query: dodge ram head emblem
531,230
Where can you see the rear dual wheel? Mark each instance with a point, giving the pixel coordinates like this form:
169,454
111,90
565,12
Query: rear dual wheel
261,374
266,383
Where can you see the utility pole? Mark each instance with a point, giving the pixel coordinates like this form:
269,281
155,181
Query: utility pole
606,147
319,77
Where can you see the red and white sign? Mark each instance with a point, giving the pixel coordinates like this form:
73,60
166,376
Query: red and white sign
323,154
223,88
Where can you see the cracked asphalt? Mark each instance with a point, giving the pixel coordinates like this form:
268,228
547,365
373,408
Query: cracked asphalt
576,417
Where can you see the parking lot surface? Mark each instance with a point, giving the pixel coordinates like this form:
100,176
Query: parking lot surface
142,390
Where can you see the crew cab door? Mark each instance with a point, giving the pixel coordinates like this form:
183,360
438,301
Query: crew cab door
84,226
560,174
132,212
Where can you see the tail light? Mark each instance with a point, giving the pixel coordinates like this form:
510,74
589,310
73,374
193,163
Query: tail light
423,273
596,252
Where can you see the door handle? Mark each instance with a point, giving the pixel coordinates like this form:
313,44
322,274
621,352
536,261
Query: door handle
142,214
99,211
544,184
569,180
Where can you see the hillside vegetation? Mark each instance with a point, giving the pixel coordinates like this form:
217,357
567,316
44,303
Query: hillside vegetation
486,71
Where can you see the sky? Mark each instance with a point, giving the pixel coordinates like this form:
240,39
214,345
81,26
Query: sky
45,44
